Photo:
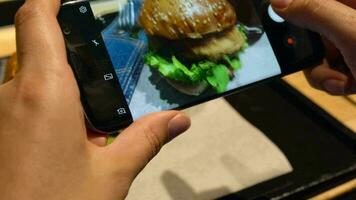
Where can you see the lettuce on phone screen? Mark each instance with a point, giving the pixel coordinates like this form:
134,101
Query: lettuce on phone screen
194,44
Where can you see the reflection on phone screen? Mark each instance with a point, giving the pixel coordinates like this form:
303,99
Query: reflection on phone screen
174,53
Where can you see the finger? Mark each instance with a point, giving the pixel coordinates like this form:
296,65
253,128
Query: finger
331,52
139,143
325,78
40,43
331,18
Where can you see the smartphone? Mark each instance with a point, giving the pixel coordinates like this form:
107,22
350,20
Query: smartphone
161,55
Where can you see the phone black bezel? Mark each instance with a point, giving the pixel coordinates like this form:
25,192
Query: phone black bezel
279,51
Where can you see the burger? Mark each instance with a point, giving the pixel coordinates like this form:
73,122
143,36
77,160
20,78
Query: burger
194,44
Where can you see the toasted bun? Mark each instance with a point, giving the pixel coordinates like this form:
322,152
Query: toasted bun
180,19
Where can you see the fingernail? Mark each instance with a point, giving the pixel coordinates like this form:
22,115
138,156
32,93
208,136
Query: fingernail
281,4
335,87
178,125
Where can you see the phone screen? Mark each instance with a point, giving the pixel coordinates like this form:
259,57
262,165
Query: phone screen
169,58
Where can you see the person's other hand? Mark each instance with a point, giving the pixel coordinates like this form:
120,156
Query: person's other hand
336,21
45,152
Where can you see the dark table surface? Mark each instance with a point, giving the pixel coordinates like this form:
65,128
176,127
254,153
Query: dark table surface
321,150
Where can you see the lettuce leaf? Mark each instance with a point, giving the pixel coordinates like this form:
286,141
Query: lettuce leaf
219,78
243,30
168,69
216,75
235,63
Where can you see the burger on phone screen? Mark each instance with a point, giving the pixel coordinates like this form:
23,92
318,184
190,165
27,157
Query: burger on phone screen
194,44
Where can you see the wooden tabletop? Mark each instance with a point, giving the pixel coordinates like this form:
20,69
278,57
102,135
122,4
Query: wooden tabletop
7,41
342,108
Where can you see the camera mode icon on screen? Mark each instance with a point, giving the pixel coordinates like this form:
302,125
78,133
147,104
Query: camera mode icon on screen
121,111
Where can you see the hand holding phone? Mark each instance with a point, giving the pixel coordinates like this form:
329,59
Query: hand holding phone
45,152
334,21
165,55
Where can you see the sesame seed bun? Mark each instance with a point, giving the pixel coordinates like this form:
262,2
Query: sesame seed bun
182,19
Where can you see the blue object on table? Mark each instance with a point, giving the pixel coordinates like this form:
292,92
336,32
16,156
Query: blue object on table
127,58
127,55
127,47
129,14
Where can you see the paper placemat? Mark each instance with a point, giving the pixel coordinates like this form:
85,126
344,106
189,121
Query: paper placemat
222,153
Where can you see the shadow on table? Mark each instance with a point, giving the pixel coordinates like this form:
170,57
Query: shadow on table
179,189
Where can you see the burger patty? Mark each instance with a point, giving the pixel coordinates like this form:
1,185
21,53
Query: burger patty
215,46
211,47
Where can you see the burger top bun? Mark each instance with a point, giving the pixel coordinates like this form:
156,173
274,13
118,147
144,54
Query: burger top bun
181,19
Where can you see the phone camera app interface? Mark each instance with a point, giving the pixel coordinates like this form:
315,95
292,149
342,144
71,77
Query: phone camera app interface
173,53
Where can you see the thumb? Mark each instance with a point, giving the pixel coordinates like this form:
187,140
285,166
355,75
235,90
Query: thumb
140,142
330,18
